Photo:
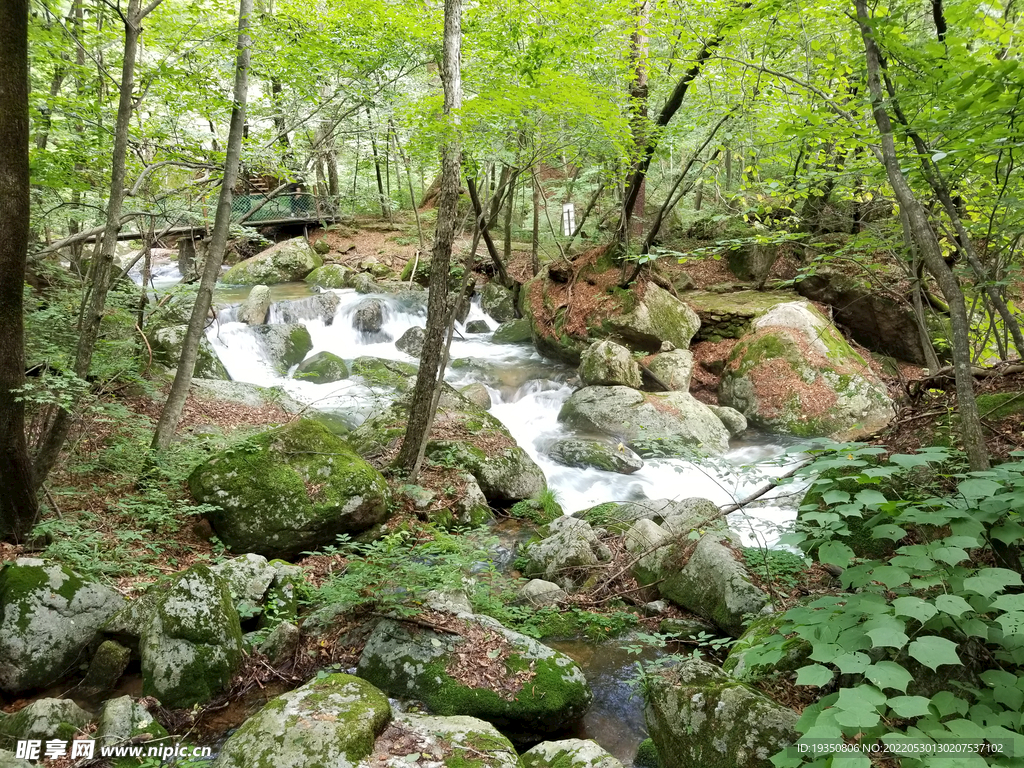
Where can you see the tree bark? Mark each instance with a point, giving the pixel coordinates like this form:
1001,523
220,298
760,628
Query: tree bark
931,253
499,266
171,414
18,504
385,207
422,405
535,236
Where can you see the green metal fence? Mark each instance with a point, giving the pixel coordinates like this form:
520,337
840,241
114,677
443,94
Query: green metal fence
291,205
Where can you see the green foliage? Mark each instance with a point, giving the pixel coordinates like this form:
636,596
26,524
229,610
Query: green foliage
777,567
562,623
929,641
541,509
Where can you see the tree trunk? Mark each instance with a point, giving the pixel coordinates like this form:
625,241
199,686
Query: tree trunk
385,207
101,271
931,253
535,236
18,505
638,92
429,379
499,266
171,414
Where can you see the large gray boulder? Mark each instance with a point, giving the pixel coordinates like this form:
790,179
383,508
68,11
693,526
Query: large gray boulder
568,753
673,368
368,316
167,344
663,423
698,715
285,344
320,306
525,688
496,300
513,332
682,512
568,555
285,262
247,394
254,309
49,616
658,317
259,587
330,721
411,342
484,448
292,489
443,742
608,363
596,454
713,582
43,719
795,374
193,643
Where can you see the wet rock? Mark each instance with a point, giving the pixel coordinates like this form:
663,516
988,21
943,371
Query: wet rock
573,452
539,592
698,715
322,368
330,721
368,316
608,363
392,374
167,344
193,644
477,394
321,306
513,332
410,661
496,301
284,345
285,262
411,342
478,326
569,753
255,307
293,489
670,423
733,420
49,615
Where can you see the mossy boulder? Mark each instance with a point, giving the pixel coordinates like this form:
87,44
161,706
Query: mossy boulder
245,393
411,342
333,721
261,588
673,368
452,742
683,513
484,447
513,332
795,374
43,719
650,545
568,554
596,454
711,580
124,721
285,262
657,317
663,423
253,311
193,643
496,300
761,652
9,759
608,363
329,276
699,715
391,374
568,753
534,690
477,394
49,616
108,664
647,755
322,368
285,344
289,490
167,344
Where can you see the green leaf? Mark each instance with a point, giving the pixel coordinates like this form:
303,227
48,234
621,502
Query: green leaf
954,605
890,576
914,607
909,706
1012,623
1009,603
933,651
852,663
888,637
815,674
938,156
978,488
888,531
835,553
991,580
951,555
850,760
888,674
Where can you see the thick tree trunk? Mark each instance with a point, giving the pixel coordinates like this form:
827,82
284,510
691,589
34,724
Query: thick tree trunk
171,414
931,253
102,266
439,314
18,505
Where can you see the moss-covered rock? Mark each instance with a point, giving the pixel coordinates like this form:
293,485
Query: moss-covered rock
761,652
698,715
598,454
286,344
568,555
795,374
9,759
568,753
673,368
608,363
414,662
391,374
260,587
322,368
650,545
647,755
124,721
685,513
193,643
668,423
503,470
711,580
253,311
289,490
477,394
329,276
657,317
452,742
43,719
167,344
285,262
330,721
477,326
108,664
496,301
513,332
49,616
